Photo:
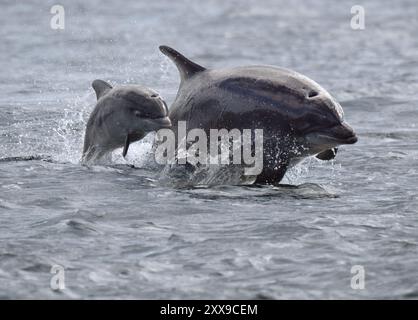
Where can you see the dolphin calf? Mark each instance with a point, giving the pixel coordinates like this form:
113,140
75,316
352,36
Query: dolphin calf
122,116
298,117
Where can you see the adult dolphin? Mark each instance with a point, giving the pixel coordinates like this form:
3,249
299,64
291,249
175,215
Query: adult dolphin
122,116
298,117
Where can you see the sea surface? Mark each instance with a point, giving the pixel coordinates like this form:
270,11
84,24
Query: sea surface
116,231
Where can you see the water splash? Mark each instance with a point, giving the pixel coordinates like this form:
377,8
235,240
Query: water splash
69,133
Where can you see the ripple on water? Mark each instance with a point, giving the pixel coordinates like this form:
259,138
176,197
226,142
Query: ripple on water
250,192
80,227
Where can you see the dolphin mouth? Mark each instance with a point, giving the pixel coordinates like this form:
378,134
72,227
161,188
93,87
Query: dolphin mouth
154,124
343,134
334,136
346,140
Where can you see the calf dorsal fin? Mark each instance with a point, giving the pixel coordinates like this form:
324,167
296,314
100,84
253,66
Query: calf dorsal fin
100,87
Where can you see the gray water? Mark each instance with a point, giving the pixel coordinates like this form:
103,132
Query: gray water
119,233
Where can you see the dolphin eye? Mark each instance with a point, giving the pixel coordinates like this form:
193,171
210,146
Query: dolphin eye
137,114
318,118
154,95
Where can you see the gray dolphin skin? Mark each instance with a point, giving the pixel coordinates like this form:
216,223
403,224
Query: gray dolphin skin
298,117
122,116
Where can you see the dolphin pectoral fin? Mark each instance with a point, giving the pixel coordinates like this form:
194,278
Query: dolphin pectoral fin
100,87
186,67
327,154
126,146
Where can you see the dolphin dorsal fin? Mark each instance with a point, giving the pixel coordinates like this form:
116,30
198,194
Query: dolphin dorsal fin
100,87
186,67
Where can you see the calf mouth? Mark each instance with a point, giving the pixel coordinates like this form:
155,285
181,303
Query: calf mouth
154,124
